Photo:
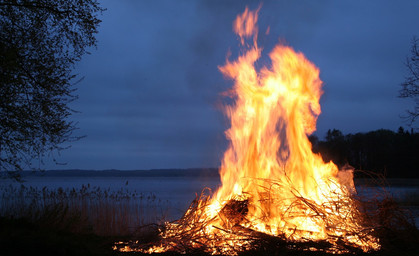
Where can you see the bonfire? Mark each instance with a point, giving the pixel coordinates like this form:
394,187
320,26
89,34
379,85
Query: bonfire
274,188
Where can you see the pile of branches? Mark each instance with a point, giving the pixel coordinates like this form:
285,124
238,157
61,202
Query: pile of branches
194,232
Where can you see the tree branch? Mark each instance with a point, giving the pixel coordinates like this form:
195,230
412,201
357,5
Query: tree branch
30,6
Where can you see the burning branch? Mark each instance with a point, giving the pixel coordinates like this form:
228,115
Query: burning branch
275,190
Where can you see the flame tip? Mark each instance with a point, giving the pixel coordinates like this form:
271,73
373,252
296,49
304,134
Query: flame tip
272,182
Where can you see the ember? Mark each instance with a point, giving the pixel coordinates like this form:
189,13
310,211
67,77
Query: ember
274,188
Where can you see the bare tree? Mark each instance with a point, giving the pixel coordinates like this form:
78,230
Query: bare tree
410,87
40,41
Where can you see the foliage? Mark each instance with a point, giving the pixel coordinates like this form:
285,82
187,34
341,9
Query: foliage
40,42
410,87
393,154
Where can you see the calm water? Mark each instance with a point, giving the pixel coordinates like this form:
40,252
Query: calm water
178,192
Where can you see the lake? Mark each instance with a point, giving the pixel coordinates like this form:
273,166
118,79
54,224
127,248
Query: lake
174,193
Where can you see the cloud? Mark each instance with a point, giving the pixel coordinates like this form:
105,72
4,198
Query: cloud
150,94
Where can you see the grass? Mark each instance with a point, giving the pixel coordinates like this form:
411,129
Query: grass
396,233
85,221
383,216
88,209
24,237
89,220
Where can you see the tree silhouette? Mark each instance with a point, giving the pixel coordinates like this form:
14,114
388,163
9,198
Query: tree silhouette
333,148
410,87
393,154
40,41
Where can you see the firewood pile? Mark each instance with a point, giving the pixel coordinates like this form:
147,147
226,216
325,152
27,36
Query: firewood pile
194,232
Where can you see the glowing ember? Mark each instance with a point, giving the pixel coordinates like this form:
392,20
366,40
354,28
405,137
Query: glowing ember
273,185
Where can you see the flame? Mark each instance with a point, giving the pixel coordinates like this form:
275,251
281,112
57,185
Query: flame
272,182
269,161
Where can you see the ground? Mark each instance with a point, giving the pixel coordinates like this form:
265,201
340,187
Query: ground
21,237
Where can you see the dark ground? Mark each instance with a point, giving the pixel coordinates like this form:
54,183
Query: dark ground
72,237
21,237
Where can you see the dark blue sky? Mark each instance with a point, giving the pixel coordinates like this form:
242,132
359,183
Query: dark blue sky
151,93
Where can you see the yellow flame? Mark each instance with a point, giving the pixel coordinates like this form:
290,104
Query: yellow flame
272,182
269,161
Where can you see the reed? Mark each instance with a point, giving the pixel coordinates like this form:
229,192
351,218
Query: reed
93,209
381,216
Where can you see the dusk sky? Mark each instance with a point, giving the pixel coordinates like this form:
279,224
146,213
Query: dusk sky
152,90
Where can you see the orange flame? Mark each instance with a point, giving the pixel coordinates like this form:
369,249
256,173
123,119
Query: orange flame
272,182
245,25
269,161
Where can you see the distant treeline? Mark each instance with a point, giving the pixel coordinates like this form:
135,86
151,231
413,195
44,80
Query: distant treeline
394,154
